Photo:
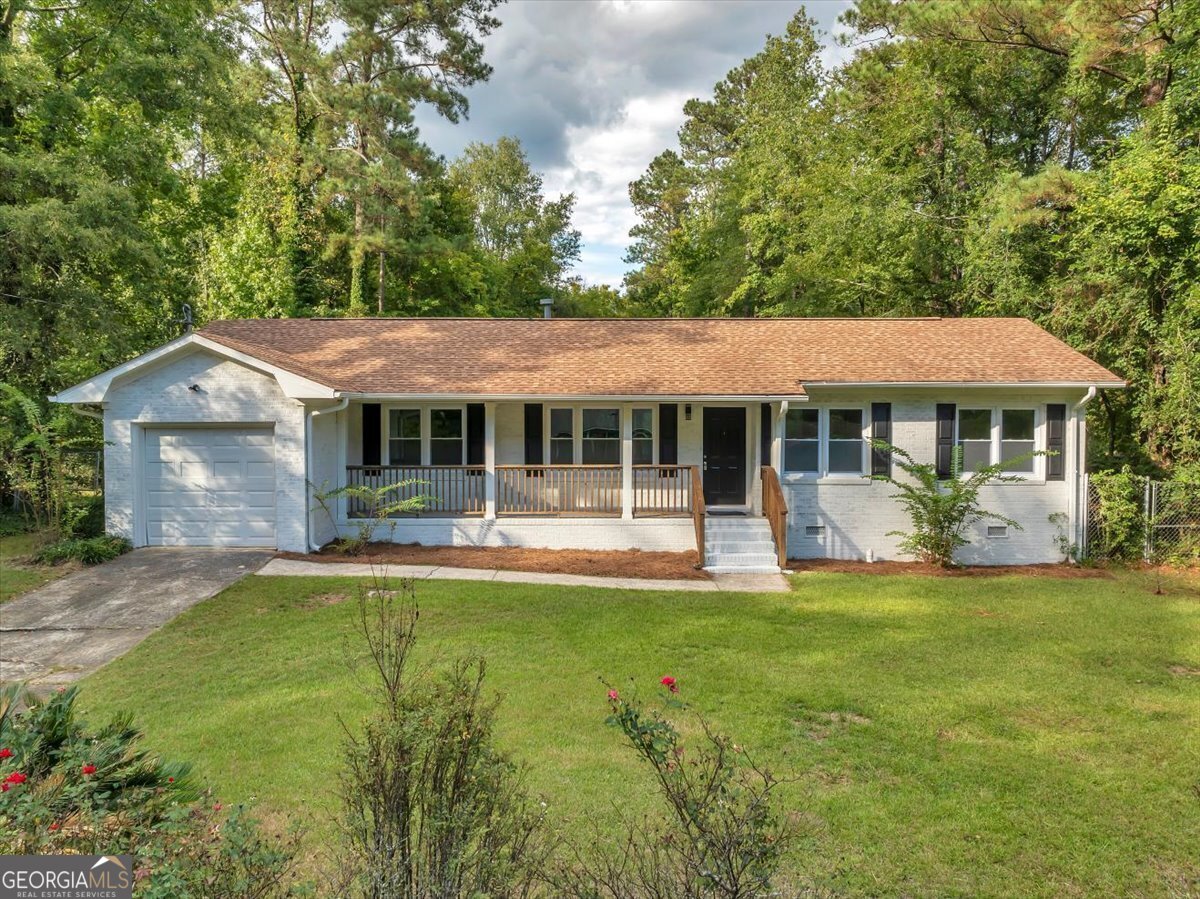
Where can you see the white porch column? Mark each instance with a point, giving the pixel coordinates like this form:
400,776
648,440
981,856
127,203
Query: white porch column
627,461
489,460
777,431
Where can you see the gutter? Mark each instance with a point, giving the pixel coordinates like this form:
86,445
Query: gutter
1078,499
341,404
79,410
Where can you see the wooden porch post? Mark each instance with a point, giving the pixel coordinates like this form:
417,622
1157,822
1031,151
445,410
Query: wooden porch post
489,460
626,461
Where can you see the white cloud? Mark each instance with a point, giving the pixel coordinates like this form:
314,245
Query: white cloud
595,90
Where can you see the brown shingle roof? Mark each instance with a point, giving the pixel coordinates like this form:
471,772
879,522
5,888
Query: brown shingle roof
653,357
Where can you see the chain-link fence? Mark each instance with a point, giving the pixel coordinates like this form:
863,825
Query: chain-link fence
1129,517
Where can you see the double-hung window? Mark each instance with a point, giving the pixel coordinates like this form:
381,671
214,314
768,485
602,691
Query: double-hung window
802,441
643,436
404,437
562,436
1017,438
445,437
975,438
601,437
847,447
825,442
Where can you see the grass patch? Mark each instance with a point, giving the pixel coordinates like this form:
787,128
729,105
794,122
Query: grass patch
947,736
18,572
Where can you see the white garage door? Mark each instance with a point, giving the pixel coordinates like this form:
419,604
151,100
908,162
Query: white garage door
210,486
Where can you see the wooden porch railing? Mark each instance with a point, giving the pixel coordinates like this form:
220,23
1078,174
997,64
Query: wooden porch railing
662,491
698,511
775,510
593,490
451,489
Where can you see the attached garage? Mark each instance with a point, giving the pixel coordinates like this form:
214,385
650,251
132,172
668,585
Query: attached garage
209,486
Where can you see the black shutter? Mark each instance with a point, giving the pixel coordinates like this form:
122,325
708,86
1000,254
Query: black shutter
881,429
474,433
1056,432
372,433
765,435
533,434
945,439
668,433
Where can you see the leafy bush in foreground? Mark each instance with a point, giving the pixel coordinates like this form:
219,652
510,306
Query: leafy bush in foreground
68,789
88,550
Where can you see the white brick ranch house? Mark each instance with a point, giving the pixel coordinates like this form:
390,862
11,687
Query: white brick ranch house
747,439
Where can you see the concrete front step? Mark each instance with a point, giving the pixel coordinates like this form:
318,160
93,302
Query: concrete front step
739,546
742,569
721,558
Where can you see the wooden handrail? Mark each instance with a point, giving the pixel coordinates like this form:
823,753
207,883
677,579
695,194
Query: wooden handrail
698,511
775,510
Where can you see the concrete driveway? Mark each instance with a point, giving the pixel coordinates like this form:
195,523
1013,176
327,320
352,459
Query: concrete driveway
69,628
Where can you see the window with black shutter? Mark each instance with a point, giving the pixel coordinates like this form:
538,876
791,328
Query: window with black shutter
1056,441
475,433
945,439
668,434
372,433
533,434
881,429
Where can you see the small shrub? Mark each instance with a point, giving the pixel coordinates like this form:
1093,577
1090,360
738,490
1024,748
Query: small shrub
722,837
84,517
380,503
88,550
941,511
430,806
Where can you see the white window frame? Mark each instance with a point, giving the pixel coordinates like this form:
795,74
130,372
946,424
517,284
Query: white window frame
823,473
1038,474
548,431
653,409
386,429
577,429
426,409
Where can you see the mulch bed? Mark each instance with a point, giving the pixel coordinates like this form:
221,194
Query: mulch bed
608,563
1057,570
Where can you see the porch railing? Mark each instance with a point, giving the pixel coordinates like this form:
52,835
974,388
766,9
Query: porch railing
698,510
662,490
449,489
586,490
775,510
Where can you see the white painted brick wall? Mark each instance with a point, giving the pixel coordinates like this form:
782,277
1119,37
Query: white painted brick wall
671,535
229,393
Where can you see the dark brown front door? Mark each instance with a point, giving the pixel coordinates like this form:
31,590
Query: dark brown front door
724,456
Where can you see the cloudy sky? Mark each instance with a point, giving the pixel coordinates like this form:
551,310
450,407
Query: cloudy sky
594,89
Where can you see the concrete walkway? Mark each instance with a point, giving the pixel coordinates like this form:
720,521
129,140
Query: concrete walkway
740,583
70,627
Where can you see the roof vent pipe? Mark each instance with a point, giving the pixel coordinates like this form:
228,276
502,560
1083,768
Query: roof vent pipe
547,304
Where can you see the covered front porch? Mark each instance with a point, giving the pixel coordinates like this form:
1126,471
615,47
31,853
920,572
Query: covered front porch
651,471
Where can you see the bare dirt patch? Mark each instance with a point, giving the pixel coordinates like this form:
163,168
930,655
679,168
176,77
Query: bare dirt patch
1057,570
820,726
1184,671
320,600
607,563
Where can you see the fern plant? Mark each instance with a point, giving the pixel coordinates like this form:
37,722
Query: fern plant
380,503
941,511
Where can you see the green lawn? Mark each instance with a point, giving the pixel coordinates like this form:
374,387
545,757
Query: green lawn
17,572
1009,736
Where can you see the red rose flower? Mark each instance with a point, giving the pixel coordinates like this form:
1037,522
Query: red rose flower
16,778
4,787
55,826
669,683
170,780
613,695
217,807
5,753
89,769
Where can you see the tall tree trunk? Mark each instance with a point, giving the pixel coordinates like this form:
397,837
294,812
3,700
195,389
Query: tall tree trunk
358,265
379,288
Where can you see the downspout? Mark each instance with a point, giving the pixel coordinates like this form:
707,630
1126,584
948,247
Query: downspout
1078,500
308,465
